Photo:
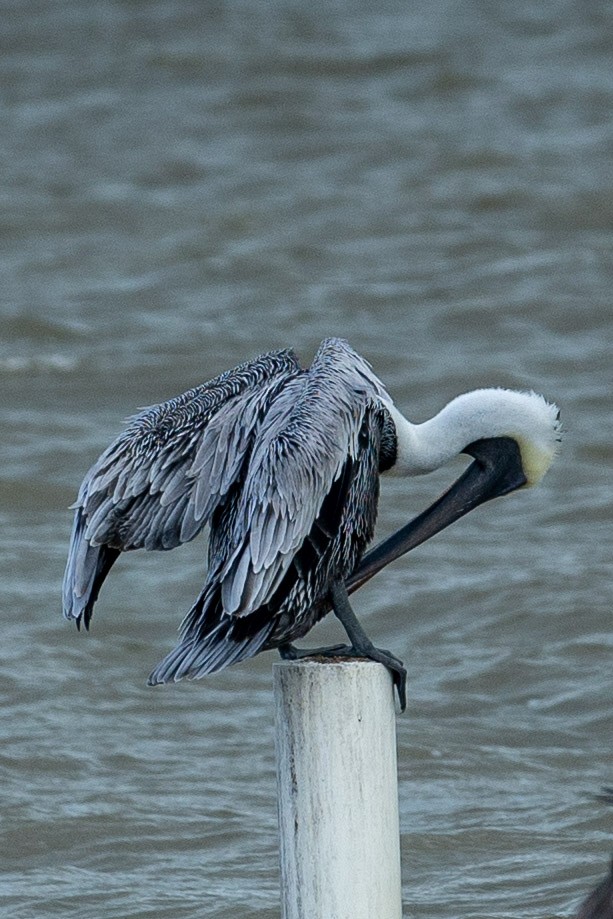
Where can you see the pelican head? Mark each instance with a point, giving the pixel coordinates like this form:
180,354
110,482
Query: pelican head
513,438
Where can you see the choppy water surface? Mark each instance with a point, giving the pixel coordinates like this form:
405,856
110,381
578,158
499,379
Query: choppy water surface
186,185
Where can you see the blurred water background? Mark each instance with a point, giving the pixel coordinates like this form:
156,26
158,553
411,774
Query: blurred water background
186,184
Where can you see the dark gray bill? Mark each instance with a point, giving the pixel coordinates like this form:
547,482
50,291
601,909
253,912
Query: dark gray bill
496,470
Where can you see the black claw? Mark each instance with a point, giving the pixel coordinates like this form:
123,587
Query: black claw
400,682
396,668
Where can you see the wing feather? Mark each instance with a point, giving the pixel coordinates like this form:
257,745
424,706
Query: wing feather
157,485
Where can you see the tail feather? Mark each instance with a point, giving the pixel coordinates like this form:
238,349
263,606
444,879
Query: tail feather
190,660
214,641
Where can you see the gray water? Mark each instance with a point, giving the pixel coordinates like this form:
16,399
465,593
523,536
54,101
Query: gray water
186,185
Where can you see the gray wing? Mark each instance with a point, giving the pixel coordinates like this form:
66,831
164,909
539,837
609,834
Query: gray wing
311,430
308,498
158,483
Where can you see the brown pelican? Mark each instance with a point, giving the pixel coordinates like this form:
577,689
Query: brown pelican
283,463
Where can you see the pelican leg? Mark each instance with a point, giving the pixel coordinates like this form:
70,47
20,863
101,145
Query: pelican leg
361,645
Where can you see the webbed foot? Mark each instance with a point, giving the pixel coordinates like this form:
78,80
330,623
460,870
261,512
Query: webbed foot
365,650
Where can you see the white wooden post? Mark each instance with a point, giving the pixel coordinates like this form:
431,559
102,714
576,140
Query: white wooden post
338,790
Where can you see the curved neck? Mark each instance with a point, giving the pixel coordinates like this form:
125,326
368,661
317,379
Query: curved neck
467,418
421,448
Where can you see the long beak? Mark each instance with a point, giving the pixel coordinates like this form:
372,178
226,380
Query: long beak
496,470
